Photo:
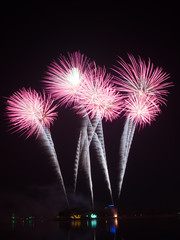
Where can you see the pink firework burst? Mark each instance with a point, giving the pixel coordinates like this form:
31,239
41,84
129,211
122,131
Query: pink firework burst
64,77
140,109
29,111
140,78
98,95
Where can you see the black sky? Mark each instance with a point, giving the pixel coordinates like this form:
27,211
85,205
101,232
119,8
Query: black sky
31,37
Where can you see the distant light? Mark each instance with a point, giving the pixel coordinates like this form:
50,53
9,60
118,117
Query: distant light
111,205
77,216
93,215
115,215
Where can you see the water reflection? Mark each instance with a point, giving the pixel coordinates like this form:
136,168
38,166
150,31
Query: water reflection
93,229
72,229
76,224
109,225
93,223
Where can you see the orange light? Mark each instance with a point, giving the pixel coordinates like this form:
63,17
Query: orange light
77,216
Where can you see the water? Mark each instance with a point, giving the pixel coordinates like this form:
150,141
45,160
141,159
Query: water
122,229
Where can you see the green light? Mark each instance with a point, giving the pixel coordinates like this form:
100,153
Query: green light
30,217
30,223
93,215
13,224
13,216
94,223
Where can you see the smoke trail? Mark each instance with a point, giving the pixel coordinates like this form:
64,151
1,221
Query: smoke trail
45,137
126,141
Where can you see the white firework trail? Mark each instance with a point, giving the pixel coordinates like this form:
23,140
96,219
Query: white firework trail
122,163
46,138
85,137
90,129
131,135
79,149
77,159
124,137
87,163
99,131
83,155
99,148
125,145
103,163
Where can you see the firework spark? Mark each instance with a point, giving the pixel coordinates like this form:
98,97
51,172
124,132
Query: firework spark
65,76
31,113
140,78
140,109
98,95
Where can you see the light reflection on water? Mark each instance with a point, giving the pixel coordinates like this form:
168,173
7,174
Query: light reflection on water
111,229
67,230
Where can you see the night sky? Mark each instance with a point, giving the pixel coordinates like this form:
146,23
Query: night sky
31,37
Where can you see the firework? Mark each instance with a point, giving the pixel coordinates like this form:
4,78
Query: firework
70,80
100,100
144,89
65,76
31,113
64,80
139,110
28,112
98,95
140,78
